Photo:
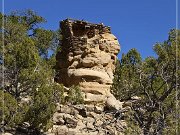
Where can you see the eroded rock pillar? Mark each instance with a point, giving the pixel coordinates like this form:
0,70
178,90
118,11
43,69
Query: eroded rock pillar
87,57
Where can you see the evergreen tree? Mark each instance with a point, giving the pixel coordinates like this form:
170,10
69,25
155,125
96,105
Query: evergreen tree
126,76
155,82
29,70
29,60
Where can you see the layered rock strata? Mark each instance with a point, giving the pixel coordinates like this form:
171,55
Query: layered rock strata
87,57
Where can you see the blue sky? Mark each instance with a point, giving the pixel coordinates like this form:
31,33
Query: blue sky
136,23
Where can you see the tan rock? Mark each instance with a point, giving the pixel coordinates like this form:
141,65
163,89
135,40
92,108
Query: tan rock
90,126
60,130
98,109
49,133
112,103
93,115
70,121
89,120
94,98
6,134
88,74
81,125
87,58
95,88
89,108
89,62
58,121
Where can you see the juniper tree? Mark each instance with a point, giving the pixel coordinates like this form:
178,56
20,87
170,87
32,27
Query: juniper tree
28,68
155,81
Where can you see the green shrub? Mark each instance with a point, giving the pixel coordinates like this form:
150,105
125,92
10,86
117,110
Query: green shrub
74,95
42,109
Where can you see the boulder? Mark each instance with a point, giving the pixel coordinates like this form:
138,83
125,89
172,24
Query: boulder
112,103
98,109
89,74
70,121
94,98
6,133
60,130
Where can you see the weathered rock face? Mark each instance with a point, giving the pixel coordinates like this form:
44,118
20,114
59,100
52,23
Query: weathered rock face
87,120
88,56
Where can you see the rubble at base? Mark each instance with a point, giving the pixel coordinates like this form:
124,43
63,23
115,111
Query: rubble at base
87,120
87,59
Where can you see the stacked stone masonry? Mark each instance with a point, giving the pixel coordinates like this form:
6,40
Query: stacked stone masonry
87,120
87,57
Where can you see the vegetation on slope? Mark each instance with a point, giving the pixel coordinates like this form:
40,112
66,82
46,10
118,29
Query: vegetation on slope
30,93
155,82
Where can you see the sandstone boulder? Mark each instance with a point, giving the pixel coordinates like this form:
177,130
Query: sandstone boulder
112,103
88,74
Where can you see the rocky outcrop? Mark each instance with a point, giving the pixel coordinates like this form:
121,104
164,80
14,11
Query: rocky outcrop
87,57
87,120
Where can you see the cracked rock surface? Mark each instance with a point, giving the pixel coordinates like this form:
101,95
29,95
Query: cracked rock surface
87,57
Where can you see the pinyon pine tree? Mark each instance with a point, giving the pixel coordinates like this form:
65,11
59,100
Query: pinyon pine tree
155,82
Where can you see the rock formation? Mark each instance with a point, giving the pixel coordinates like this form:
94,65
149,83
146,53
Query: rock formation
87,58
87,120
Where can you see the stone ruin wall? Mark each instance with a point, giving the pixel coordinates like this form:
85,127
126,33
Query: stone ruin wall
87,58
